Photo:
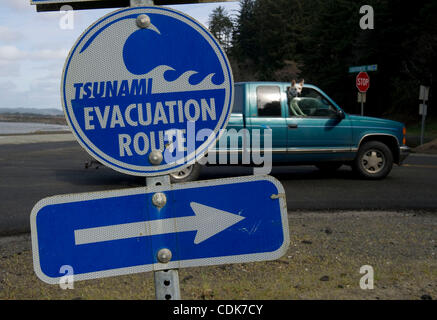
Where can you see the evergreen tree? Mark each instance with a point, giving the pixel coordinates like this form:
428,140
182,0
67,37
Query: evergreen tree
320,39
221,26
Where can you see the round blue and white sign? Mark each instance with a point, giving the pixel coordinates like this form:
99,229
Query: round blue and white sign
147,79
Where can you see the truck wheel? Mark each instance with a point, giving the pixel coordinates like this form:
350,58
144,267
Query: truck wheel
374,160
190,173
329,166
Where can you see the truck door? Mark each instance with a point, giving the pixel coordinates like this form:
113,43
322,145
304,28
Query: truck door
314,126
267,111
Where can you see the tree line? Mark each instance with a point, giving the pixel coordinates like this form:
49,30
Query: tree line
318,40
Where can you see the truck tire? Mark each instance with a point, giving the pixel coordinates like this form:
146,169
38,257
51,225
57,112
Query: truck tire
190,173
374,160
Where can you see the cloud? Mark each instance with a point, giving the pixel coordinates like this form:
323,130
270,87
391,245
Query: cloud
8,86
9,68
10,52
20,5
48,54
12,96
41,94
8,35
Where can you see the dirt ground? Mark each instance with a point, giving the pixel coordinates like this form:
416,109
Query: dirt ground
326,253
430,147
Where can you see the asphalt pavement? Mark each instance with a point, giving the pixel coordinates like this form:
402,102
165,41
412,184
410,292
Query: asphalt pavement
32,171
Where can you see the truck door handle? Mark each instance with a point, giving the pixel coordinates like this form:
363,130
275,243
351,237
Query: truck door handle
292,126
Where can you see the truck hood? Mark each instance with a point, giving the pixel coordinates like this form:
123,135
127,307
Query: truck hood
375,121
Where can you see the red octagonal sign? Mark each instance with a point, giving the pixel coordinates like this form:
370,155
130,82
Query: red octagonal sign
363,82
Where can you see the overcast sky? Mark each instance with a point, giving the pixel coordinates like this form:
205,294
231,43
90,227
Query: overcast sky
33,49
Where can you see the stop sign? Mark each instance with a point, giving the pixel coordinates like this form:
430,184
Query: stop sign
363,82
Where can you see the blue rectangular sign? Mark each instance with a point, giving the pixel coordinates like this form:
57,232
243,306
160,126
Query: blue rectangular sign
120,232
373,67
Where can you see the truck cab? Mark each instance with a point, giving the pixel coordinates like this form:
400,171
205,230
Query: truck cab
311,129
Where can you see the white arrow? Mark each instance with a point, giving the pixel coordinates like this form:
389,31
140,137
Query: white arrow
207,221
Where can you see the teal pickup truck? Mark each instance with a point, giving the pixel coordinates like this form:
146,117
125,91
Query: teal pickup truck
308,129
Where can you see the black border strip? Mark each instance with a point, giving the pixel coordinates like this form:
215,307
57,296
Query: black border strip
102,4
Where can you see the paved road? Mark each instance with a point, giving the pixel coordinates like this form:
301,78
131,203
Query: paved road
30,172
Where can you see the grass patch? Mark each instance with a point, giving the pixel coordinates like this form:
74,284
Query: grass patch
430,128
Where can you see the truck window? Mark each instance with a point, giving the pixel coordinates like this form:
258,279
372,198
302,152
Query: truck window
310,103
238,99
269,101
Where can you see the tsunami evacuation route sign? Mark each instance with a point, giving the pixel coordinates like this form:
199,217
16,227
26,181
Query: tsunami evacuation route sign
143,79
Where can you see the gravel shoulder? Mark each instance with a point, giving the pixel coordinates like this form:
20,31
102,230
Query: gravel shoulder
326,253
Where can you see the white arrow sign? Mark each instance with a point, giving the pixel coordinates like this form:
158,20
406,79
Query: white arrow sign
207,221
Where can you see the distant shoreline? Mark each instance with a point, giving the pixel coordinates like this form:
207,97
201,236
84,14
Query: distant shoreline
33,118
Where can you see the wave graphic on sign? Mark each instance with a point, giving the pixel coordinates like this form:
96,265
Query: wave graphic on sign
109,68
182,84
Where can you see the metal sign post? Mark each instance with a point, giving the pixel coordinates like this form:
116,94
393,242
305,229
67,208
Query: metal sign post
423,110
166,281
362,100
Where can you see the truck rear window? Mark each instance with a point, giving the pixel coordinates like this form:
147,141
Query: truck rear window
269,101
